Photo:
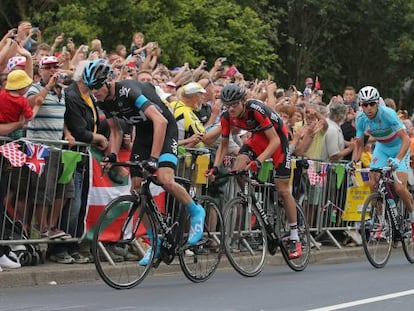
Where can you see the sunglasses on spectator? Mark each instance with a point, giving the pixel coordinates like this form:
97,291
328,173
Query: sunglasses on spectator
50,67
370,104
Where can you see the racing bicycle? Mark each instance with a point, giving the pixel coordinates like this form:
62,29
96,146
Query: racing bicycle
122,232
255,223
385,221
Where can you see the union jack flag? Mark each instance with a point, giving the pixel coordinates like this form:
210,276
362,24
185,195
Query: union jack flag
36,155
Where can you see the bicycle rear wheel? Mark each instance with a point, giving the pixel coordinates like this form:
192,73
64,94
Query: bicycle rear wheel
376,230
300,263
118,244
246,240
406,239
200,261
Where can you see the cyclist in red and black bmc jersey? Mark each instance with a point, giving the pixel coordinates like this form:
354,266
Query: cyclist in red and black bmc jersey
269,140
155,142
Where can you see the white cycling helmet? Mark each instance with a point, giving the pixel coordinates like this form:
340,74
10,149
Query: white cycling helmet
368,94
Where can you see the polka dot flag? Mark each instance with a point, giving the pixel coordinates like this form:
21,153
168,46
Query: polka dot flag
12,153
15,61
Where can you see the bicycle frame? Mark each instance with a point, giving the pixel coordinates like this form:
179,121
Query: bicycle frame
385,189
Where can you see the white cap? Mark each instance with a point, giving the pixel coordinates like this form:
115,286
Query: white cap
193,88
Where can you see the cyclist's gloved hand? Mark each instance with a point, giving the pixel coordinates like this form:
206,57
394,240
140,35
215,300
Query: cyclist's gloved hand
111,158
151,165
393,162
350,166
254,166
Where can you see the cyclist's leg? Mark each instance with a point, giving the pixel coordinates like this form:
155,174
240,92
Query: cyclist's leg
167,165
282,175
379,160
402,189
140,152
196,212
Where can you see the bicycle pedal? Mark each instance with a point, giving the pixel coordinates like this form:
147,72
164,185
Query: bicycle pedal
156,263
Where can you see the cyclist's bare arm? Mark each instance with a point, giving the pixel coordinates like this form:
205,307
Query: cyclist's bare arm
358,148
115,136
274,143
405,143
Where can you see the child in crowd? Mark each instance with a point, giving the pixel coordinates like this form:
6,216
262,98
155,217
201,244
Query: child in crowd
366,156
13,104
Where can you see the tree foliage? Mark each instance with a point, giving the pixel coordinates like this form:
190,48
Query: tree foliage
343,42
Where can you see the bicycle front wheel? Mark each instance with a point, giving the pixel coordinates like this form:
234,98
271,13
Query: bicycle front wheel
246,240
300,263
406,239
120,240
199,262
376,230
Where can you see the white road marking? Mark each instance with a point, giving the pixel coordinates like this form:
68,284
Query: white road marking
364,301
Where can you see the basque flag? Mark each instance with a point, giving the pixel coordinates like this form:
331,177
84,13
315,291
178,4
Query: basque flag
36,155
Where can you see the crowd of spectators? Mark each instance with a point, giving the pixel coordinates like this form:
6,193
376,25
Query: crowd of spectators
319,128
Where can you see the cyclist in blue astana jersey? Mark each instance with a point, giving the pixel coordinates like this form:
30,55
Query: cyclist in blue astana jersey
156,137
392,146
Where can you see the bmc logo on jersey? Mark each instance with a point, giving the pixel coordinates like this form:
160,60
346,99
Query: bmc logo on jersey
258,108
124,91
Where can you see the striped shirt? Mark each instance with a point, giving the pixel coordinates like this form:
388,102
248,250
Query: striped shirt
48,123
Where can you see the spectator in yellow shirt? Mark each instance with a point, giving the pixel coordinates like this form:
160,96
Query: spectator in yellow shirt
366,156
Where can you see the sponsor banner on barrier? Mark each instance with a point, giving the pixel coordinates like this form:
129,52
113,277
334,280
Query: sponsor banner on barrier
356,194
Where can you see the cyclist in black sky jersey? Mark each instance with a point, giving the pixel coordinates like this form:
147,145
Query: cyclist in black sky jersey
155,140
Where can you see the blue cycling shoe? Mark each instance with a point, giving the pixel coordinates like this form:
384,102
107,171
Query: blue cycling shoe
197,217
147,256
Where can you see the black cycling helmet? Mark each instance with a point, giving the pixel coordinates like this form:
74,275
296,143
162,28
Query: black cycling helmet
95,73
232,92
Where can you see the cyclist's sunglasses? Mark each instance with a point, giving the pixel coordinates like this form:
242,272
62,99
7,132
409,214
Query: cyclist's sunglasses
96,86
231,104
370,104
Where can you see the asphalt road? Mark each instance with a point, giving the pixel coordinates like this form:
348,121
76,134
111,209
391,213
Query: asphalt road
322,287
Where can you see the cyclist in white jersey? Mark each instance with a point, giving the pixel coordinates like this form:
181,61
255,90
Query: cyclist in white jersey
392,146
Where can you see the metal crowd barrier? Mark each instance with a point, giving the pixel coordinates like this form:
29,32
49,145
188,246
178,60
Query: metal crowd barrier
324,196
28,199
319,189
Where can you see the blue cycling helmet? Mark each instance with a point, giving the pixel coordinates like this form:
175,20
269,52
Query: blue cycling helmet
96,73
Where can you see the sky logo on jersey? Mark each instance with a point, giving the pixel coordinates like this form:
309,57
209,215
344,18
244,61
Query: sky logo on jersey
36,155
124,91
